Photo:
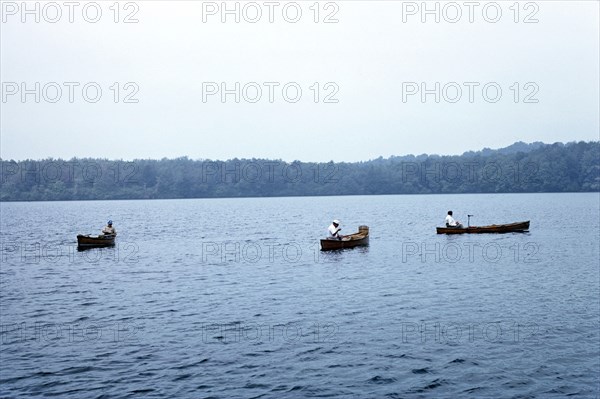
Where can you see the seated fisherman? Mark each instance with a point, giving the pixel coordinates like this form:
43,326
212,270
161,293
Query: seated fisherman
450,222
108,229
334,231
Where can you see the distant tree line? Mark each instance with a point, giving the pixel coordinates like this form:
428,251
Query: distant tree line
536,167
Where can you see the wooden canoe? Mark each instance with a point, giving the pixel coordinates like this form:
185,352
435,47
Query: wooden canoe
518,227
103,240
350,241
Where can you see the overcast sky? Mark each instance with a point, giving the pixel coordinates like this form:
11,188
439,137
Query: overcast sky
501,74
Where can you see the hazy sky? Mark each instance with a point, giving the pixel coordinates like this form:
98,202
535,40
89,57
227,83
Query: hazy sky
347,90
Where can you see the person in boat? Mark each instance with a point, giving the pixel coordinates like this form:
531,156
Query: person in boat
450,222
109,229
334,230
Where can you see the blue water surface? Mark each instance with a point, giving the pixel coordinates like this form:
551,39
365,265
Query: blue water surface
230,298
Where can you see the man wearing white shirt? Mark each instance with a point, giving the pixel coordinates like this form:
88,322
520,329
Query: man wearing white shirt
450,222
109,229
334,230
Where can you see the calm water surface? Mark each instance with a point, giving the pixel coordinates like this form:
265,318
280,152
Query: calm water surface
232,298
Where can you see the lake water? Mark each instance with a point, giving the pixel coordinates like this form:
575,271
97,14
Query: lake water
232,298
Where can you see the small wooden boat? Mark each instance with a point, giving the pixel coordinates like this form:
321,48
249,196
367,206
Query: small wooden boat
518,227
350,241
103,240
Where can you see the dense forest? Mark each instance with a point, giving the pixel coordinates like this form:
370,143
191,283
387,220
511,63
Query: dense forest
521,167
